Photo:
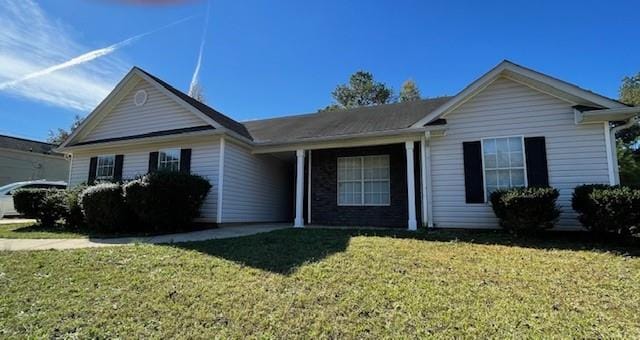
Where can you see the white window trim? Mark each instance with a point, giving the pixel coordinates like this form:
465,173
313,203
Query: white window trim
362,181
169,150
113,172
484,171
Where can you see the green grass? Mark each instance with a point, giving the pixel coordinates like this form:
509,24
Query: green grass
33,230
328,284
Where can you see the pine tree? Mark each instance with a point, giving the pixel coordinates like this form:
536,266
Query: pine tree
409,91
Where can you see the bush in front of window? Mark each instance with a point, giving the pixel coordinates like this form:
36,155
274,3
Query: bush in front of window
526,210
608,209
47,206
74,217
167,200
104,208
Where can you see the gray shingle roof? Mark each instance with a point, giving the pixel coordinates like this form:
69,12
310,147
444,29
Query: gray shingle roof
356,121
21,144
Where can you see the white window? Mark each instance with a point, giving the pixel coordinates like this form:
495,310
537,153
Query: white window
504,163
363,180
105,167
169,159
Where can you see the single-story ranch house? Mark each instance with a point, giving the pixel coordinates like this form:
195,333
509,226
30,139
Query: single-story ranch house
431,162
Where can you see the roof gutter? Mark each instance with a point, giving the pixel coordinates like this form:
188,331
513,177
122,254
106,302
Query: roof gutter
606,115
612,146
146,140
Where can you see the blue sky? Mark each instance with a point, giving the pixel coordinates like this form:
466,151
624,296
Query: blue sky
270,58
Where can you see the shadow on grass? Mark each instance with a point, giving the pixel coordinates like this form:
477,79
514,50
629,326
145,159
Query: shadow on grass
282,251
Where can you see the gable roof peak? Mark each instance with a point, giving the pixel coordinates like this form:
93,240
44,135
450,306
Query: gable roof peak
220,118
543,82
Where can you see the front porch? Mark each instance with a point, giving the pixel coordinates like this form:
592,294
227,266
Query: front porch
371,184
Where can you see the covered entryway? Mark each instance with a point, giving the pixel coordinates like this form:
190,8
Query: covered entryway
367,185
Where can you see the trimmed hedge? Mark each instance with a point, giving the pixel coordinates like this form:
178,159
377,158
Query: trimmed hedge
167,201
526,209
45,205
608,209
104,208
158,202
75,216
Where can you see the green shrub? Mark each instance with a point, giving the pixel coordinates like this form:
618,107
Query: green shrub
74,217
608,209
526,209
45,205
104,208
167,201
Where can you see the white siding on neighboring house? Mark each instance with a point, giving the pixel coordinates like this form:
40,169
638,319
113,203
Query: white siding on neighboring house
159,113
575,153
204,162
17,165
256,187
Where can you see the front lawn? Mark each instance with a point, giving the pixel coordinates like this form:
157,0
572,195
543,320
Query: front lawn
330,284
34,230
31,230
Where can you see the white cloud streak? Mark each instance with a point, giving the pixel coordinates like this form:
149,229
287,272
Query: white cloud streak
196,73
89,56
40,60
30,42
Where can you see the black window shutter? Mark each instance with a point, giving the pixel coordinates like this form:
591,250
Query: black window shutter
536,154
185,160
117,168
93,166
473,176
153,161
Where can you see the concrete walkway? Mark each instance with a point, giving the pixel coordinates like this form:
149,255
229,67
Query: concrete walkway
74,243
16,220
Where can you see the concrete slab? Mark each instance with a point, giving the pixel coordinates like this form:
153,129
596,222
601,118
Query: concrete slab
16,220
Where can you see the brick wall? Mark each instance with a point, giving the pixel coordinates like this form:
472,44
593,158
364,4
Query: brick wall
324,177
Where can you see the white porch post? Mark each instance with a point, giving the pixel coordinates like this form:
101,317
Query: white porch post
428,181
423,181
299,221
411,187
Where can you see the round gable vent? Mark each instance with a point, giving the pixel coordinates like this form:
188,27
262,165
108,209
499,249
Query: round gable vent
140,97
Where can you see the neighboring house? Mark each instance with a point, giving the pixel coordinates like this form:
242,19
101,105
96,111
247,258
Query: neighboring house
431,162
24,159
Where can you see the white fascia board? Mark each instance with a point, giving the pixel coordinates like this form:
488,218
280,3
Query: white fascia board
506,68
377,138
604,115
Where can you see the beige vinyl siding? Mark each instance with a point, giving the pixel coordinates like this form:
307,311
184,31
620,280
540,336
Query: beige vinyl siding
576,154
159,113
204,162
79,170
256,187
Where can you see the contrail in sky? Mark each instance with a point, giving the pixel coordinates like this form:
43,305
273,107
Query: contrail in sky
86,57
196,72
